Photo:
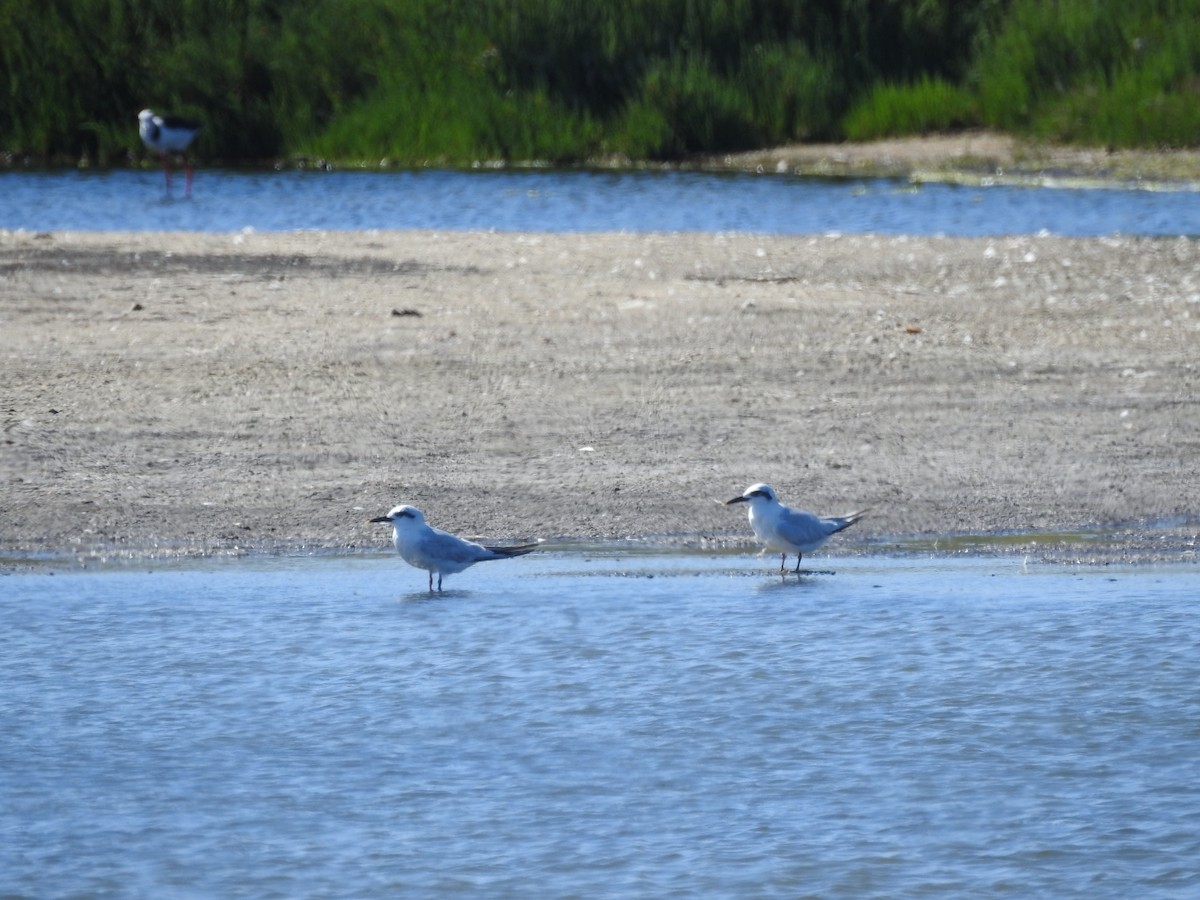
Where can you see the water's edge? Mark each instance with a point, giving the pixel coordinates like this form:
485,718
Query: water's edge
1158,542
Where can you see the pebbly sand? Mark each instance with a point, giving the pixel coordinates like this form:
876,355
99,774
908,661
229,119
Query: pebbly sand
189,394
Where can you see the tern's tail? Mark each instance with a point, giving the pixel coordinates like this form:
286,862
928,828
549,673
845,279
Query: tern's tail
841,523
518,550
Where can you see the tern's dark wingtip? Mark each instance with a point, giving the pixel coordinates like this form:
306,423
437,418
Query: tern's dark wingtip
516,550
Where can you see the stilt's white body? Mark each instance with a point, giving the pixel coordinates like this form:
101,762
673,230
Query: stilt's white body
785,529
439,552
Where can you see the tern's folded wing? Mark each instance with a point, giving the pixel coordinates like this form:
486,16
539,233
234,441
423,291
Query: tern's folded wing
802,528
451,549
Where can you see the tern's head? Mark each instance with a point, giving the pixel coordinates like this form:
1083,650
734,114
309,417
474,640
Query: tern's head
756,493
400,515
145,115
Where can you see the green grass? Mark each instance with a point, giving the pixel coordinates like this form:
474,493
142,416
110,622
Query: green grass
930,105
455,82
1095,71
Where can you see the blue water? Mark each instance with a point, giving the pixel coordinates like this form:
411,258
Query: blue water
556,201
573,724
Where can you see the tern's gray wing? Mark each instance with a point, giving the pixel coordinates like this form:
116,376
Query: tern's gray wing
441,546
801,528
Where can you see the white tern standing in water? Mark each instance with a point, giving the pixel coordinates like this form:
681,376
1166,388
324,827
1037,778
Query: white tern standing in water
420,544
787,530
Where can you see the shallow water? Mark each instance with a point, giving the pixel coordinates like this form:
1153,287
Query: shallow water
557,201
601,724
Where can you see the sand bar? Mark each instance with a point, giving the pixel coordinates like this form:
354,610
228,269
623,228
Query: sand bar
191,394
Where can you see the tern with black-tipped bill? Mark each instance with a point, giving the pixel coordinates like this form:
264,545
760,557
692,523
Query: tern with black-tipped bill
439,552
788,530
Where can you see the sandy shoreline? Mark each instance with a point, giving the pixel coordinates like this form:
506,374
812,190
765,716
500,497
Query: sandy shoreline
188,394
970,157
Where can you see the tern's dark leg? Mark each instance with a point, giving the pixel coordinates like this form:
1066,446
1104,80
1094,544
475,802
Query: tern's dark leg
431,580
799,556
439,581
782,563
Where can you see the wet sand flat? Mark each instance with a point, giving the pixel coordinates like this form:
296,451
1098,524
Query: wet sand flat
188,393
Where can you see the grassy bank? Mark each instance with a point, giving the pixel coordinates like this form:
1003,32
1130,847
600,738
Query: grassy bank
414,81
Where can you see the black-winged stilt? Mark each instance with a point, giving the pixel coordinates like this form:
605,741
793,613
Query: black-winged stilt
166,135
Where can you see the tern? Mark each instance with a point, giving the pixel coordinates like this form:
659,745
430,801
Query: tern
787,530
166,135
425,547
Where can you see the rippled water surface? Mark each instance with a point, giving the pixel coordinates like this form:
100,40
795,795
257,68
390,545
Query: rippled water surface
554,201
572,724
